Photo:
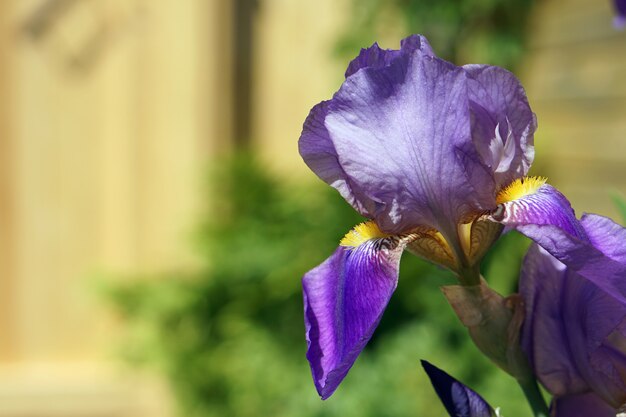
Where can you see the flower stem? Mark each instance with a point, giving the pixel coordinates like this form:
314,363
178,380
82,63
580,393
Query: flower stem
534,397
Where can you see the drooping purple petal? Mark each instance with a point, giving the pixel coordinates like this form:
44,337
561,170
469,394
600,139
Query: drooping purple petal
545,329
575,328
581,257
546,206
546,217
459,400
503,124
581,405
568,321
606,235
344,299
574,331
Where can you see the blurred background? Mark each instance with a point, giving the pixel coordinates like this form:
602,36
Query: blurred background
156,218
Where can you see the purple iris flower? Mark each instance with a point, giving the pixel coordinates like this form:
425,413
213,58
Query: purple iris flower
459,400
620,13
435,155
575,328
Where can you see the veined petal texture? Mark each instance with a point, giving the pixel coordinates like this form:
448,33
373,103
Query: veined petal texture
344,299
545,329
503,125
544,206
316,145
575,328
412,140
402,136
546,217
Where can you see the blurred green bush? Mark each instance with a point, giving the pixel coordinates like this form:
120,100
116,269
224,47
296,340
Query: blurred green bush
461,31
229,337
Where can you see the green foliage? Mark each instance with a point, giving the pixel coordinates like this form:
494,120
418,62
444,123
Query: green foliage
620,204
230,337
503,262
461,31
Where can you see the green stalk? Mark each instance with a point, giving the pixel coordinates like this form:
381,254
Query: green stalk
535,398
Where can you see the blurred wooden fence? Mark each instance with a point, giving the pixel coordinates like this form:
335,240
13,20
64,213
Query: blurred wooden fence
106,108
575,75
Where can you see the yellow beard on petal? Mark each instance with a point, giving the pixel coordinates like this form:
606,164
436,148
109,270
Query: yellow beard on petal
519,188
361,234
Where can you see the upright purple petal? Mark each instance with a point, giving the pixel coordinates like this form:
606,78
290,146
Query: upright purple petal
344,299
396,139
503,124
318,151
376,57
459,400
402,135
316,145
581,405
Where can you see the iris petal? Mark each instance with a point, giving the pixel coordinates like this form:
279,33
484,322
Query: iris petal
344,299
375,57
402,136
459,400
606,235
547,217
396,141
545,330
316,145
503,125
544,206
581,405
318,151
575,332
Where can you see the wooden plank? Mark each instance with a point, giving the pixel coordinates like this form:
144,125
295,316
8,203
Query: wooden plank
169,131
56,137
8,234
589,70
574,76
559,23
294,73
581,171
75,389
